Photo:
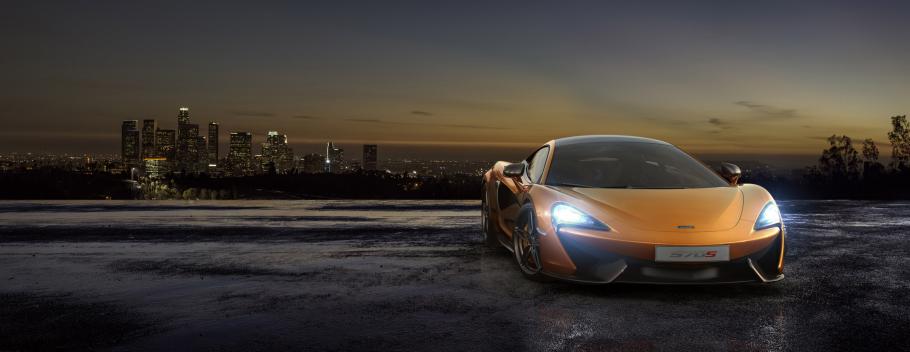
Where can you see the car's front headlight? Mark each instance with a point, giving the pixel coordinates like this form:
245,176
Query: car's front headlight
769,217
567,215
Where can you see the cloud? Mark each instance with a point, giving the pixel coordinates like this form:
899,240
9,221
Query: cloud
767,110
384,122
423,113
247,113
720,124
305,117
716,122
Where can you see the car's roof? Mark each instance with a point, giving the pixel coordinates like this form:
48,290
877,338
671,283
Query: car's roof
605,138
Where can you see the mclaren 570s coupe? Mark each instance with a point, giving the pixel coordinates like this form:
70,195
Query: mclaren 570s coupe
601,209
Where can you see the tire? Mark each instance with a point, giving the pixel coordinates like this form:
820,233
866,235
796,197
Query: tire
489,232
525,245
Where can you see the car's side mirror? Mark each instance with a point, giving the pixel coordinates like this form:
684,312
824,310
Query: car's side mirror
731,173
514,170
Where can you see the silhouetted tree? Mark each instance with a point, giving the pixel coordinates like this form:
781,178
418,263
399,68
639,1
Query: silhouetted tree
870,151
900,142
840,162
871,167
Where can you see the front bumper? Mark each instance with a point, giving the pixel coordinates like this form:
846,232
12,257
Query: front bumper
602,260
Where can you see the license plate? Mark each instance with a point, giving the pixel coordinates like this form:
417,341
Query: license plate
692,254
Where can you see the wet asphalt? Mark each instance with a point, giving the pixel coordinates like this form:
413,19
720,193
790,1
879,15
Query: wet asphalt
414,276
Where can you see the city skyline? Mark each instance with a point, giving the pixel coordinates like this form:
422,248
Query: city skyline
458,82
169,137
158,151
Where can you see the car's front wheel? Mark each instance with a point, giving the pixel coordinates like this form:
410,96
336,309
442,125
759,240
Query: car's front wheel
525,244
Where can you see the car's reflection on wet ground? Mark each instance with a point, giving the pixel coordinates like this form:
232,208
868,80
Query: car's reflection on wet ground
398,275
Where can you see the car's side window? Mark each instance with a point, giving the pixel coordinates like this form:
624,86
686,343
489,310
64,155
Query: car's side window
536,164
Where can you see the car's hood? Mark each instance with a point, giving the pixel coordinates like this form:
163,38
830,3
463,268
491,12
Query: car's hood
704,209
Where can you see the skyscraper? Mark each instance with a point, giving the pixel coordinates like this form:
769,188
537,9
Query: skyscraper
188,151
240,153
276,154
334,157
199,151
370,154
149,127
166,142
183,116
129,143
212,146
187,147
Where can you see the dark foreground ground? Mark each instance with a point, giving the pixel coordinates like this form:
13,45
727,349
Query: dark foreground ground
413,276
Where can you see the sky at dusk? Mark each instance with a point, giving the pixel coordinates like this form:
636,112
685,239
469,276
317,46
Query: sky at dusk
763,80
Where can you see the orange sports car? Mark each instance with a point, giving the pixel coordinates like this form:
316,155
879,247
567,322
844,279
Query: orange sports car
600,209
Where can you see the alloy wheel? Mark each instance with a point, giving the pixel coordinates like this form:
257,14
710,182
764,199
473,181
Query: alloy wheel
526,248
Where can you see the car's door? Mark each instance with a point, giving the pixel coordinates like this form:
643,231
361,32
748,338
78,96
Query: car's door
514,194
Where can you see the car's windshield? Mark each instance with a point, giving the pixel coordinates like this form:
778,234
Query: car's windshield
628,165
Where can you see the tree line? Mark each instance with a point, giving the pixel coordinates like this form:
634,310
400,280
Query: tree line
852,170
842,162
